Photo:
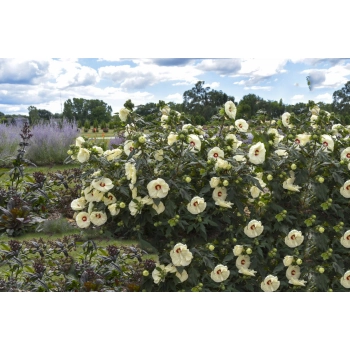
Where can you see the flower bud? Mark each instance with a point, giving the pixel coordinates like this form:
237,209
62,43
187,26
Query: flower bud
225,183
69,152
293,166
145,273
122,205
321,229
142,139
211,247
269,177
320,269
320,179
249,251
299,261
188,179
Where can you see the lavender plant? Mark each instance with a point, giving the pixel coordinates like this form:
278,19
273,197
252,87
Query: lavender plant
50,142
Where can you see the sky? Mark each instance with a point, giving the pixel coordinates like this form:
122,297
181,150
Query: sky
48,82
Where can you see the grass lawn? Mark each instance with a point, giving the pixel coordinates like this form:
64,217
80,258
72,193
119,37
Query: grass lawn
100,133
28,170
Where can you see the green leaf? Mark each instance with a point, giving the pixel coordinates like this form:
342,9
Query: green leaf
278,268
337,268
227,258
338,178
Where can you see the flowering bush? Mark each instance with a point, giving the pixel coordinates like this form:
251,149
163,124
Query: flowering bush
224,212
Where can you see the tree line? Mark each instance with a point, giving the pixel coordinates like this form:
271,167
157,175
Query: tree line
201,103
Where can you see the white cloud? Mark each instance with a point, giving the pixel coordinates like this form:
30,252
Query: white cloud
267,88
259,70
333,77
109,59
148,74
213,85
176,98
19,71
298,98
70,73
181,83
316,61
222,66
326,98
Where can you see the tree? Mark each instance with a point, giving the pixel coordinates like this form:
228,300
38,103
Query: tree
33,115
204,102
253,101
44,114
341,100
81,109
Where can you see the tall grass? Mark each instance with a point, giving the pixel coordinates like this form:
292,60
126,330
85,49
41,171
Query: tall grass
49,143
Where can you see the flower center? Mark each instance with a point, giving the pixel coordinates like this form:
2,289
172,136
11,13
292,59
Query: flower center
240,125
348,237
195,204
293,272
158,187
178,250
325,144
98,216
348,188
110,197
242,262
269,282
218,272
84,218
256,152
348,155
216,155
192,143
297,141
292,237
102,184
348,278
252,227
131,149
219,194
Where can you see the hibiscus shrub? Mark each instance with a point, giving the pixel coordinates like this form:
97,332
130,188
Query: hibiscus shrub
222,210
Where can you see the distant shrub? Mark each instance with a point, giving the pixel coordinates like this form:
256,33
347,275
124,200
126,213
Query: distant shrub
56,226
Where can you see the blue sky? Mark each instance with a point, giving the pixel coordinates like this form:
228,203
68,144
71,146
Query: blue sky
47,83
